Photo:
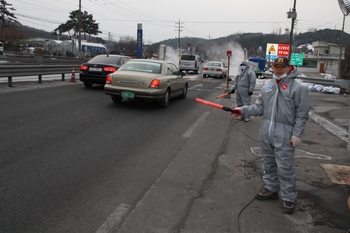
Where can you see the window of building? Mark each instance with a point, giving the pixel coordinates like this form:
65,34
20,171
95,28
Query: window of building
309,63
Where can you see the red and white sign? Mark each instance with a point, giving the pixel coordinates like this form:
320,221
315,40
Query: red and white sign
277,50
283,50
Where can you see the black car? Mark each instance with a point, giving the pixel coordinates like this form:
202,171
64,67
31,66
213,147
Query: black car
96,69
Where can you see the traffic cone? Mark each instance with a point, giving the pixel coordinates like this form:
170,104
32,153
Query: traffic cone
73,80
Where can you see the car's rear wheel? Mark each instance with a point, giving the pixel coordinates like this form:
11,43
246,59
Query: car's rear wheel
165,101
204,76
184,92
116,98
88,85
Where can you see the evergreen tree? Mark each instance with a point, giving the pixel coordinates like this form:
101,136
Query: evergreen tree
88,24
6,15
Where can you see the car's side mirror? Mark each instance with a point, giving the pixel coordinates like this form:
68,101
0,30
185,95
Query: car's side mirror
179,73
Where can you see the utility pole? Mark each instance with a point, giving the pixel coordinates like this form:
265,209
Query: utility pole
345,8
178,37
79,26
341,48
292,14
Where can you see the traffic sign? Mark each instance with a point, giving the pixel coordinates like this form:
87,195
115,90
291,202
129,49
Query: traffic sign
274,51
297,59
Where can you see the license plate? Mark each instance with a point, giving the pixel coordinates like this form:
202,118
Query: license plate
95,69
128,94
212,69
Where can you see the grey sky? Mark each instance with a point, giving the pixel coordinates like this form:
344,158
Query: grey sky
198,18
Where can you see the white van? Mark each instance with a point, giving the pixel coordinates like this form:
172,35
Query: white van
190,62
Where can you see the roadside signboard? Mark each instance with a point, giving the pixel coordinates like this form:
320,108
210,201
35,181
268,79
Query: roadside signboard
297,59
139,41
276,50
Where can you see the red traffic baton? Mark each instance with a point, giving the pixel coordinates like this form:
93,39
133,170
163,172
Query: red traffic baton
213,105
223,95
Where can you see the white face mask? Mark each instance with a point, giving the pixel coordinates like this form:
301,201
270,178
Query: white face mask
242,68
280,77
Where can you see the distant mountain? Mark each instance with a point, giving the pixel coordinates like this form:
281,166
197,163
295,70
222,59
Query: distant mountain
252,41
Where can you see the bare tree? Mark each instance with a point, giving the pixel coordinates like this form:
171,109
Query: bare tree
127,46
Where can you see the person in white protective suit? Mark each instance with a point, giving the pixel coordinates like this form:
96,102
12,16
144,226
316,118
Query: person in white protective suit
244,86
284,105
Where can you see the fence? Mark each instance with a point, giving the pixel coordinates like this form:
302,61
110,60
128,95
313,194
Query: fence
343,83
10,71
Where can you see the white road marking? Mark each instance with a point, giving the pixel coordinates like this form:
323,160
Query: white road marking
196,125
298,154
198,85
334,129
114,219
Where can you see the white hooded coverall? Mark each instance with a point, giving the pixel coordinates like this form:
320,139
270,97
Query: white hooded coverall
245,83
285,110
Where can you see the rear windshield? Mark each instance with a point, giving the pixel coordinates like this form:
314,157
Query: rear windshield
188,57
141,66
106,60
216,64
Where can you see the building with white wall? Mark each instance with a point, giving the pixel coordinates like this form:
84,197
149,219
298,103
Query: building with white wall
324,59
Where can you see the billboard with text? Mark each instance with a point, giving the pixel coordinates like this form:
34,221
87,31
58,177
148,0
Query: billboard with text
276,50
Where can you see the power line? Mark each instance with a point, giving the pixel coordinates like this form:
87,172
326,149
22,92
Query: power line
40,19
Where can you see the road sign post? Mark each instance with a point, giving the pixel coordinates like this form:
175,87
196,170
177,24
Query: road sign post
229,54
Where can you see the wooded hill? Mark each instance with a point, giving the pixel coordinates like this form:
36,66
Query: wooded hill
252,41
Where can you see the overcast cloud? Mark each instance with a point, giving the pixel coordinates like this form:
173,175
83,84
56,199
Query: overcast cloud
198,18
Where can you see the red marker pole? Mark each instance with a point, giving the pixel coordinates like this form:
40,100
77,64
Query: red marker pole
211,104
223,95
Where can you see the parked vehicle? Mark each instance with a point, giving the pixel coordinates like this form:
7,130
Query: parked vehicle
96,69
1,48
147,79
215,68
190,62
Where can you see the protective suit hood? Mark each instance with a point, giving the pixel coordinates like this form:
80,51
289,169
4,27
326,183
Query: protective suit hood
246,63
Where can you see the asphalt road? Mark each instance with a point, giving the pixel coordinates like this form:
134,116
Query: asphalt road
72,161
70,157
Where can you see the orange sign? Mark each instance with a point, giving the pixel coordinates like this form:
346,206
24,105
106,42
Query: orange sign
272,49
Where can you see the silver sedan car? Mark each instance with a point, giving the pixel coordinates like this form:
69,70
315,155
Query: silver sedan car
147,79
215,68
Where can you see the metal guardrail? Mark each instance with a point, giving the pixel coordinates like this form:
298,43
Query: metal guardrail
29,59
32,70
343,83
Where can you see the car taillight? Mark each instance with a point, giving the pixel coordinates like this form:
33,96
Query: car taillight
84,67
155,83
109,79
218,69
109,69
205,68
